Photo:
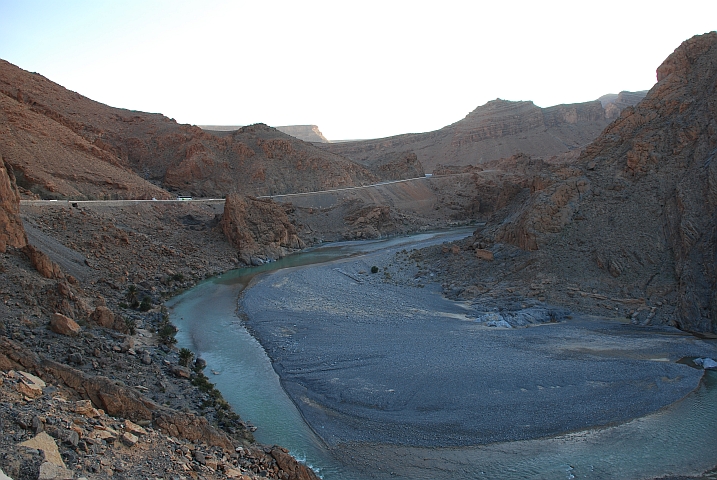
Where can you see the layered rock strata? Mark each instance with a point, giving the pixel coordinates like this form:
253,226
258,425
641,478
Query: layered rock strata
498,129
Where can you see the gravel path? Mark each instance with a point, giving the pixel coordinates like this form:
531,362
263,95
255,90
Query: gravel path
368,359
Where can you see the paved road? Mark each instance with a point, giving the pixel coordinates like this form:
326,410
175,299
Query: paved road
117,203
214,200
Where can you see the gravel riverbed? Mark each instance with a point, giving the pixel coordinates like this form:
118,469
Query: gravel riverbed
369,358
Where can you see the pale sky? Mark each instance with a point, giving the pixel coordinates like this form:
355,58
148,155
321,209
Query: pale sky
357,69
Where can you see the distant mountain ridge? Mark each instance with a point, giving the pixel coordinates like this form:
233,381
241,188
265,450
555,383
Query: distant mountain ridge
498,129
307,133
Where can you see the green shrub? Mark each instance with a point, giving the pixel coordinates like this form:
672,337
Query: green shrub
131,296
146,304
165,330
374,269
131,325
185,356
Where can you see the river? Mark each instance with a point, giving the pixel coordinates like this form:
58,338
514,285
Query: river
678,439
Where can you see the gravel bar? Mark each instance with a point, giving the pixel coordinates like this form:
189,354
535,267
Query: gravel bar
368,359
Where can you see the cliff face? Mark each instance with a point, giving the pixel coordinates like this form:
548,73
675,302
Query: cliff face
307,133
258,229
12,232
498,129
639,213
615,103
113,152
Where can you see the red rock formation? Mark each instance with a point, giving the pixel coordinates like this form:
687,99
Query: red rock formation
67,145
12,232
259,229
42,263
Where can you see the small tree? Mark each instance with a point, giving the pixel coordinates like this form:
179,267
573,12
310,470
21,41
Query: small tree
185,357
165,330
146,304
132,296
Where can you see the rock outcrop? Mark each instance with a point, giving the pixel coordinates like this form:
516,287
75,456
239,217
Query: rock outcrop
307,133
498,129
259,229
12,232
638,211
615,103
397,166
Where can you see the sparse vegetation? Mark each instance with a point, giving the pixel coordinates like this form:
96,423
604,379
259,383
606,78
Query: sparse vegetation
165,330
131,325
185,356
146,304
132,296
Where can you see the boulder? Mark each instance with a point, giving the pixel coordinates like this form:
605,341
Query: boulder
483,254
103,317
133,428
290,466
50,471
129,439
63,325
42,441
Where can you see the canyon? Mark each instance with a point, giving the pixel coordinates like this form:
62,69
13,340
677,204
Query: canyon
603,208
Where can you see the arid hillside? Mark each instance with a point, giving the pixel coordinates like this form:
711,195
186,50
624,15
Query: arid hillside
630,228
117,153
498,129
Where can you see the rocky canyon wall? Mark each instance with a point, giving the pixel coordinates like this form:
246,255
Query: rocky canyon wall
12,232
638,211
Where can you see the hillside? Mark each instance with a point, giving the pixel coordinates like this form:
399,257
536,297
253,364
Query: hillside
117,153
630,228
498,129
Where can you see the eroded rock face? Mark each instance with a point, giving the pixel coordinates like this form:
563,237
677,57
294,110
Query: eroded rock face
62,144
294,469
42,263
259,228
307,133
12,232
638,212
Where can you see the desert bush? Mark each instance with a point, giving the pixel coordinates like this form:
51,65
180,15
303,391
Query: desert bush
185,356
